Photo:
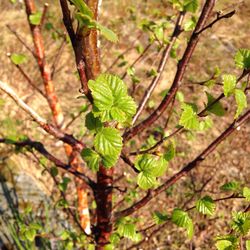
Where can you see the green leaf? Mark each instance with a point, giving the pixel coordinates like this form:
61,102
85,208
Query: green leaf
246,193
64,184
230,186
146,180
189,118
228,242
93,123
54,171
191,5
229,84
18,58
190,24
111,99
102,94
159,218
170,152
35,18
107,33
241,101
83,8
151,165
108,142
127,230
91,158
182,219
30,234
241,222
242,59
205,205
216,108
206,124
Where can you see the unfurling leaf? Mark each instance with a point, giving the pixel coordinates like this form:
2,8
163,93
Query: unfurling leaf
241,101
229,84
242,59
189,117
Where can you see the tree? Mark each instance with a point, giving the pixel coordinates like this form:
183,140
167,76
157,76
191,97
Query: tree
114,119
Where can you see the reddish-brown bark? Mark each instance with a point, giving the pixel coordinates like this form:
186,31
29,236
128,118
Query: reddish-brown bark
58,114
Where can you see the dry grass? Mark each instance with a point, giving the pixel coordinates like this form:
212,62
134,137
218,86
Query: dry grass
217,48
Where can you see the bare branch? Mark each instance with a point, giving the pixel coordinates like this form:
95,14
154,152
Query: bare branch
20,39
161,67
38,146
181,68
41,121
45,9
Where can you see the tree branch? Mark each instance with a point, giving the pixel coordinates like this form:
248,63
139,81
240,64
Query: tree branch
185,170
181,68
41,121
38,146
161,67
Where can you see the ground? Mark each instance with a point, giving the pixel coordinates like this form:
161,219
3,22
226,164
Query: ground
217,47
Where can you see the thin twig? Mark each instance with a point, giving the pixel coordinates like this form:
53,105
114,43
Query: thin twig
123,53
45,9
20,39
38,146
30,82
137,59
57,57
49,128
181,69
161,67
186,169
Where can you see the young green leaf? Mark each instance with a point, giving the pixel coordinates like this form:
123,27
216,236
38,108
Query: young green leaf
127,230
241,101
93,123
190,24
205,205
229,84
35,18
241,222
91,158
189,118
108,142
30,234
242,59
182,219
83,8
216,108
111,100
18,58
107,33
191,5
159,218
170,152
146,180
151,165
228,242
246,193
230,186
